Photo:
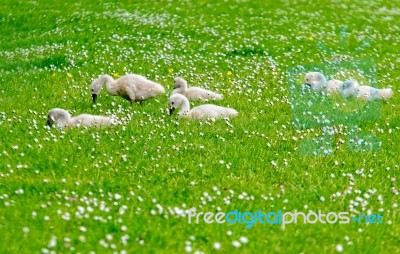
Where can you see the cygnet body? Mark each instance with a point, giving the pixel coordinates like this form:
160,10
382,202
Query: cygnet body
206,111
333,86
351,88
62,119
193,93
131,87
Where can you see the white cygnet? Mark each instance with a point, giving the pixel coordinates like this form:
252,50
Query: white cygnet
206,111
316,81
193,93
62,119
131,87
351,88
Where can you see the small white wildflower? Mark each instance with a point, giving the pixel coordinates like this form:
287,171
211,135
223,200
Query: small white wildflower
236,244
188,248
217,246
339,248
52,242
244,239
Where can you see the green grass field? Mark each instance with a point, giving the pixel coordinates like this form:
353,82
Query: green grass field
126,189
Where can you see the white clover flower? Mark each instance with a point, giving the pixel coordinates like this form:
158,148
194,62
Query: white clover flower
244,239
236,244
339,248
217,245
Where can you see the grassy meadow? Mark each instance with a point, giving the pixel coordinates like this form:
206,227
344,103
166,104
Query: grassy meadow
128,189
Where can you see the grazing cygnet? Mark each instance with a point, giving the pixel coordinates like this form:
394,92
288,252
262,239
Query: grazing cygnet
131,87
333,86
316,81
206,111
351,88
62,119
193,93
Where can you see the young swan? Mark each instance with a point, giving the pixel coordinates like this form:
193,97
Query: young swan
206,111
194,93
131,87
316,81
351,88
62,119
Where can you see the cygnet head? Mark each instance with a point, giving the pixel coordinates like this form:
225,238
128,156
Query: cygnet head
175,101
95,87
58,116
314,80
179,82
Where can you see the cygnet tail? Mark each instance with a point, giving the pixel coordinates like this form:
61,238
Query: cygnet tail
385,93
113,121
232,112
155,87
216,96
160,89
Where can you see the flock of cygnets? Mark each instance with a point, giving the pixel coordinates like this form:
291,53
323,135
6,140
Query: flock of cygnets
136,88
349,88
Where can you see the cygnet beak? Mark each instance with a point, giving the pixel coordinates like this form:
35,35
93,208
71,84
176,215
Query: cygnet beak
94,97
171,110
309,85
48,123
